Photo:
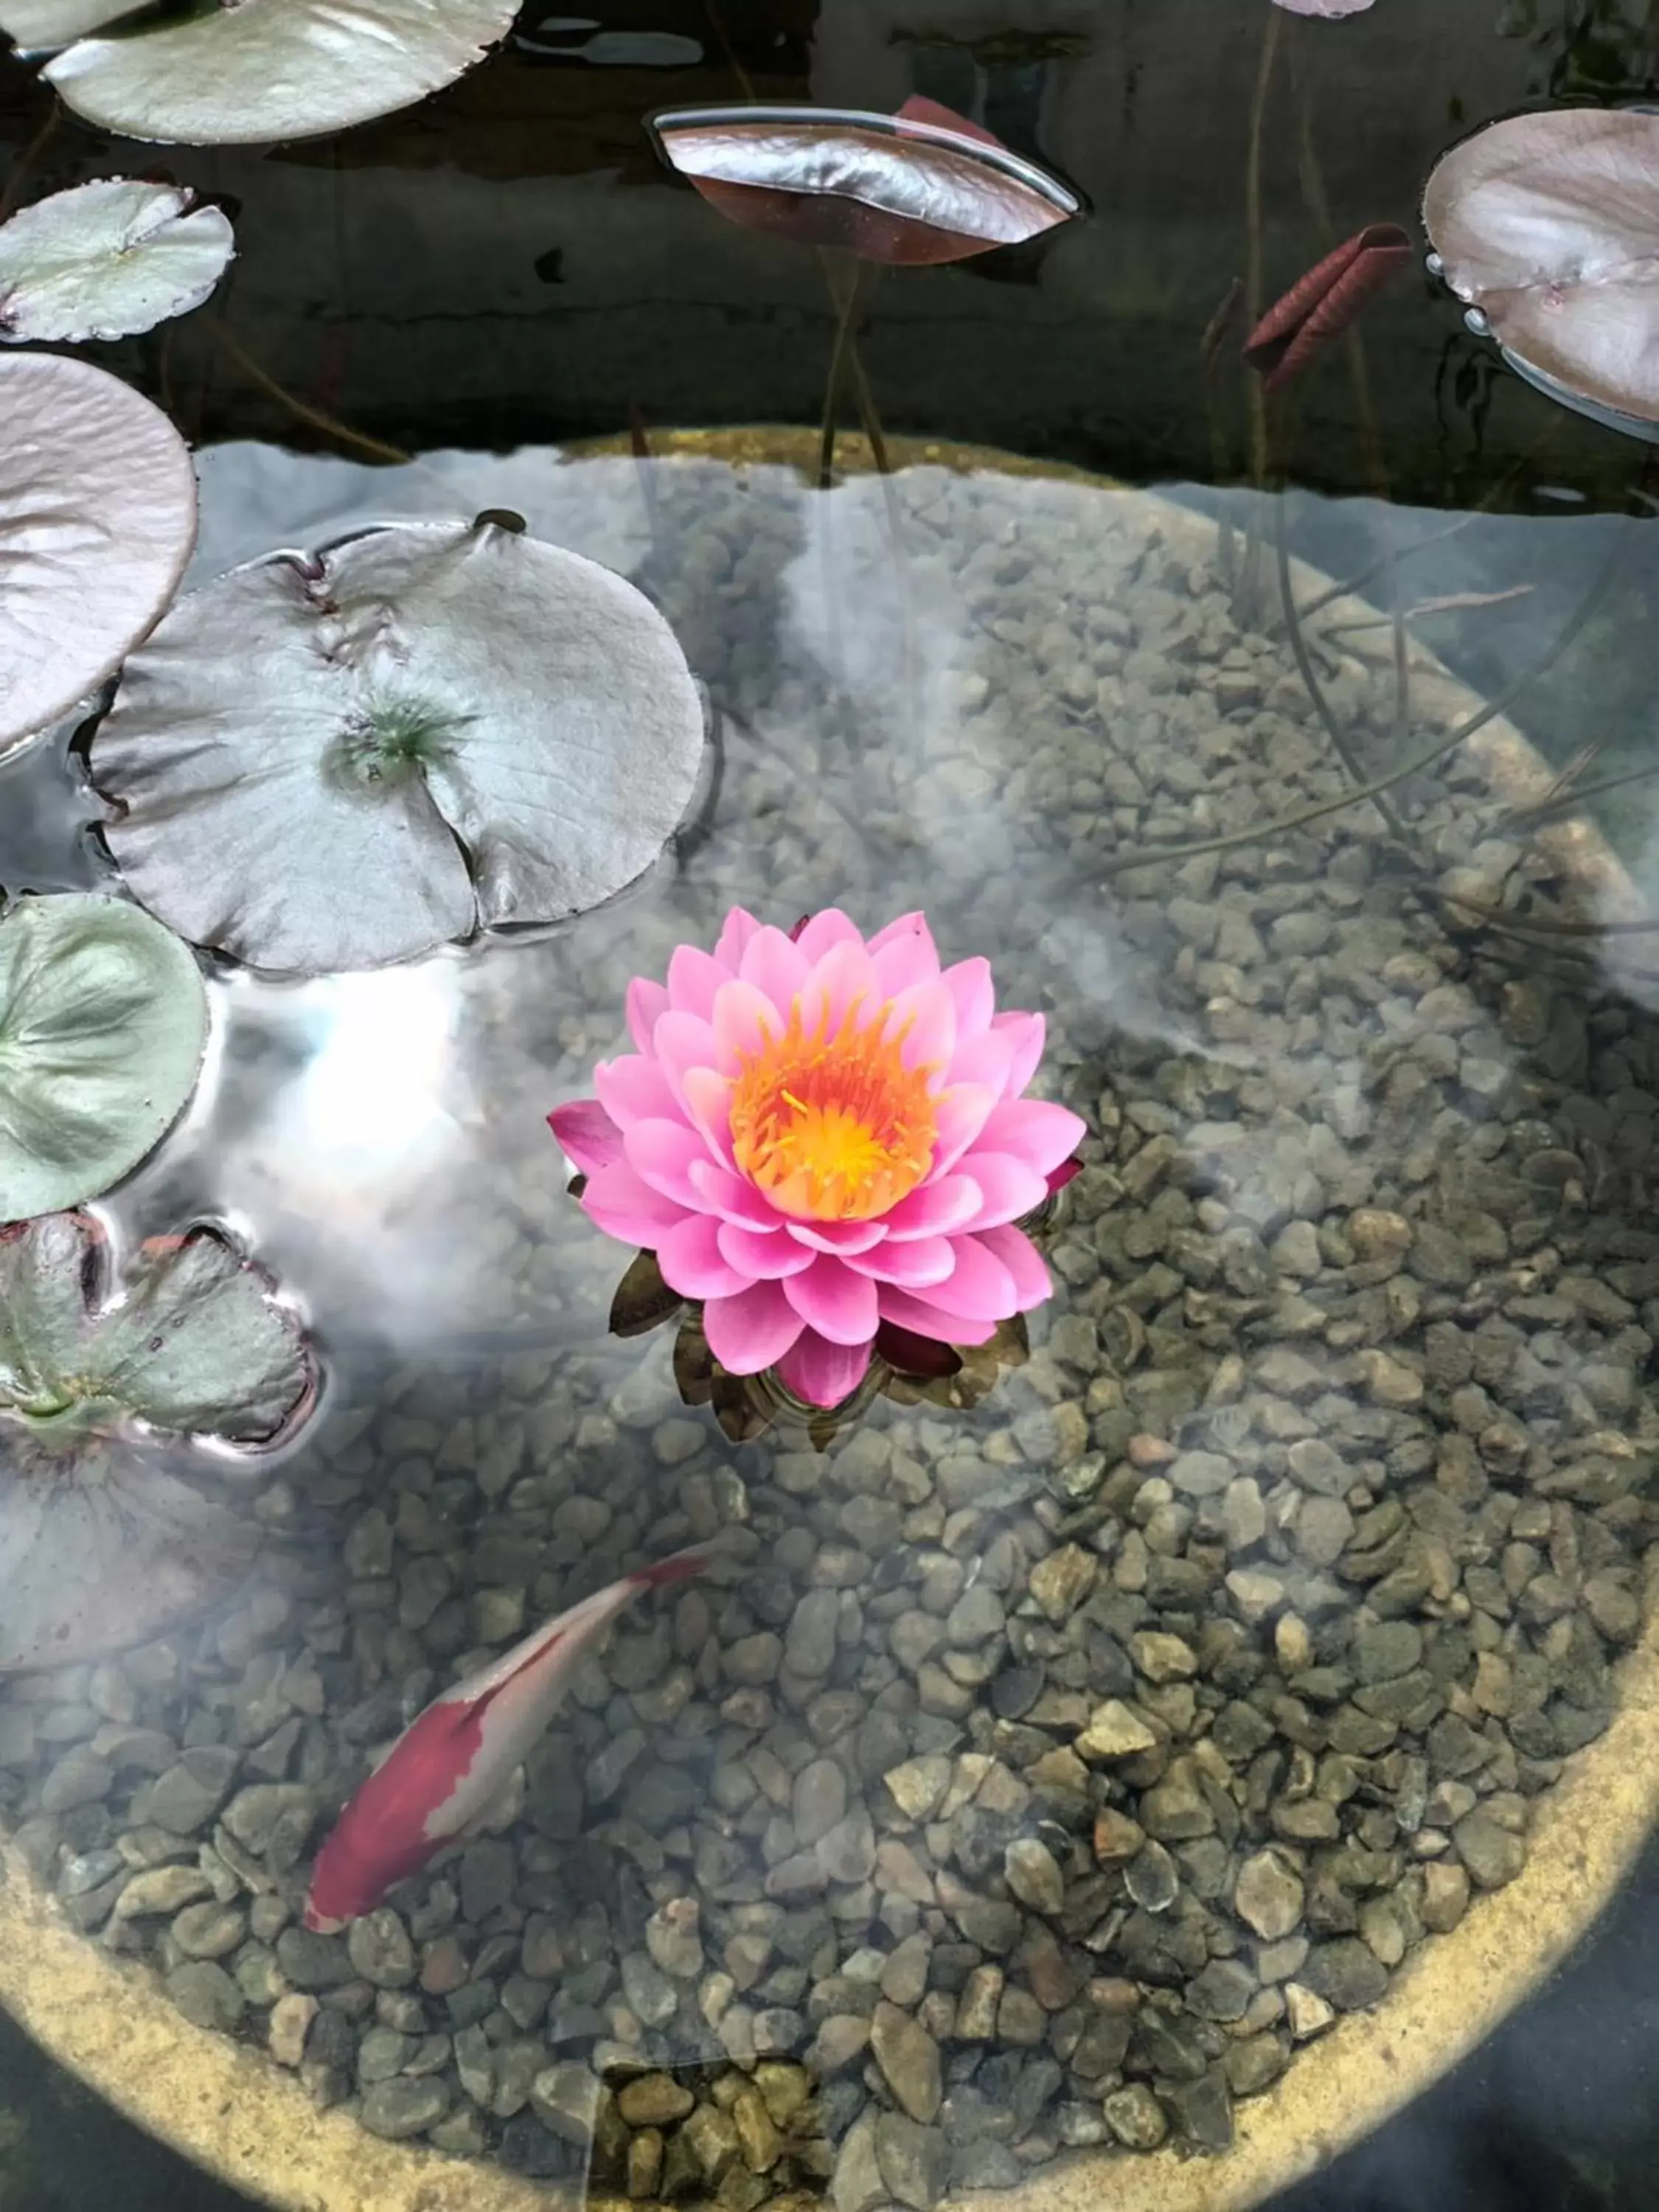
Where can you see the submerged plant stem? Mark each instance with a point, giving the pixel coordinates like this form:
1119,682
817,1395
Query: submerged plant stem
329,425
1257,832
23,168
847,299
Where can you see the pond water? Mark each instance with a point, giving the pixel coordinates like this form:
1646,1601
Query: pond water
1141,1757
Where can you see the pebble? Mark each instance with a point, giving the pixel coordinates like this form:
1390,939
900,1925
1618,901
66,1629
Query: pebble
1269,1894
909,2061
1492,1855
398,2109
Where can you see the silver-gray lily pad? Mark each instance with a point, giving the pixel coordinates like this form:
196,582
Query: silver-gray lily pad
333,761
111,1527
107,260
103,1024
97,520
259,70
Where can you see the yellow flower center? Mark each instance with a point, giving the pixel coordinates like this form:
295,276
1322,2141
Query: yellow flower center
833,1126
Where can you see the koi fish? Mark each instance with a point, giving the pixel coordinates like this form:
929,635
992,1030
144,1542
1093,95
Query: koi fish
454,1760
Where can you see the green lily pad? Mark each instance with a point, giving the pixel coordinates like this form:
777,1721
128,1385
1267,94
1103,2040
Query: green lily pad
196,1344
110,1528
259,70
103,1023
333,761
107,260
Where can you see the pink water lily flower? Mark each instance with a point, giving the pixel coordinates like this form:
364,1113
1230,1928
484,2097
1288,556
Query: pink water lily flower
821,1138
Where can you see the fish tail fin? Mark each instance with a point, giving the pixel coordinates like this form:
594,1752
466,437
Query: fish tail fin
679,1566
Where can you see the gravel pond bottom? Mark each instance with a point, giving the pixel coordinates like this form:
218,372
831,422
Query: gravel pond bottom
1036,1775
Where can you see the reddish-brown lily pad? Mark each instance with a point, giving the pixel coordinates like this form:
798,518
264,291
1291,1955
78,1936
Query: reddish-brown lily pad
1548,226
920,186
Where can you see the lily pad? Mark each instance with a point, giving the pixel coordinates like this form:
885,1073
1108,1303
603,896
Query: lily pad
260,70
108,1531
196,1344
97,520
333,761
103,1023
1326,8
919,186
107,260
1545,225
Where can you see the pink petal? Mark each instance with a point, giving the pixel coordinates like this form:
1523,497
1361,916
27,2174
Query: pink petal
823,930
980,1286
634,1089
1008,1187
903,955
751,1330
1028,1031
692,1262
736,931
926,1017
970,985
905,1310
776,967
744,1022
680,1043
708,1102
765,1256
1034,1131
959,1114
917,1265
694,977
1023,1261
627,1208
986,1060
662,1154
936,1209
587,1133
837,1236
647,1003
820,1372
830,1298
733,1197
843,977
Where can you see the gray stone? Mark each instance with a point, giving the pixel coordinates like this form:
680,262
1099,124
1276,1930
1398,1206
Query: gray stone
1346,1973
209,1930
914,2160
186,1797
818,1801
1034,1876
1388,1651
1200,1473
909,2061
810,1649
1493,1856
312,1961
1268,1895
1135,2117
565,2099
398,2109
380,1949
206,1995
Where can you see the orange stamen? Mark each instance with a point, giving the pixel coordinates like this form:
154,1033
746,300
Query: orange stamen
832,1125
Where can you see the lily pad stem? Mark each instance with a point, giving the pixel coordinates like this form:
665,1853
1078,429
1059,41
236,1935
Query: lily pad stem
329,425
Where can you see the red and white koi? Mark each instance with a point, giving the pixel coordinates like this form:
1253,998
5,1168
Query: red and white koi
454,1759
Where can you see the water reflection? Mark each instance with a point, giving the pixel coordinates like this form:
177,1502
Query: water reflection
1042,1773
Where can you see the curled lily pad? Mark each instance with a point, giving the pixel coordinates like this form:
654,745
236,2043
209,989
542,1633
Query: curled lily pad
922,186
110,1528
260,70
103,1023
1545,225
334,761
97,520
107,260
1327,8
